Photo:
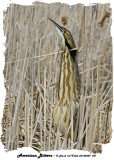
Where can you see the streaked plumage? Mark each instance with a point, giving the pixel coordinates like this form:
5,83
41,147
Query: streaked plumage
69,83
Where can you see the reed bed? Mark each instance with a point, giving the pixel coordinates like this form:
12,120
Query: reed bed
32,59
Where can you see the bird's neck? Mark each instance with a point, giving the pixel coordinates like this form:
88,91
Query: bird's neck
72,52
67,77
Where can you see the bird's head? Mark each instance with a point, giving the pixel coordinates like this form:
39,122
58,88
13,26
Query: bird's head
65,35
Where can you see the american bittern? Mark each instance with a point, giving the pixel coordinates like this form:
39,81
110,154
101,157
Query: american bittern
69,84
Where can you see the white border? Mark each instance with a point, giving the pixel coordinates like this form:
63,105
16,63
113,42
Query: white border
108,149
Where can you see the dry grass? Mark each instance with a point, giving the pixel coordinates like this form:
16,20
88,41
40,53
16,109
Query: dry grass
32,59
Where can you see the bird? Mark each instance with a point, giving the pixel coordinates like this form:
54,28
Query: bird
68,92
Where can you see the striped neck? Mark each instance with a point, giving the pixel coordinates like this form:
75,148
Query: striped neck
68,88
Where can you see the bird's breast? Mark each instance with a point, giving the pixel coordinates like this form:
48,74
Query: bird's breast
68,92
68,82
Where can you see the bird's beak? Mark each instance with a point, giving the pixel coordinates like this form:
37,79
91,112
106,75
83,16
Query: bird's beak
58,26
